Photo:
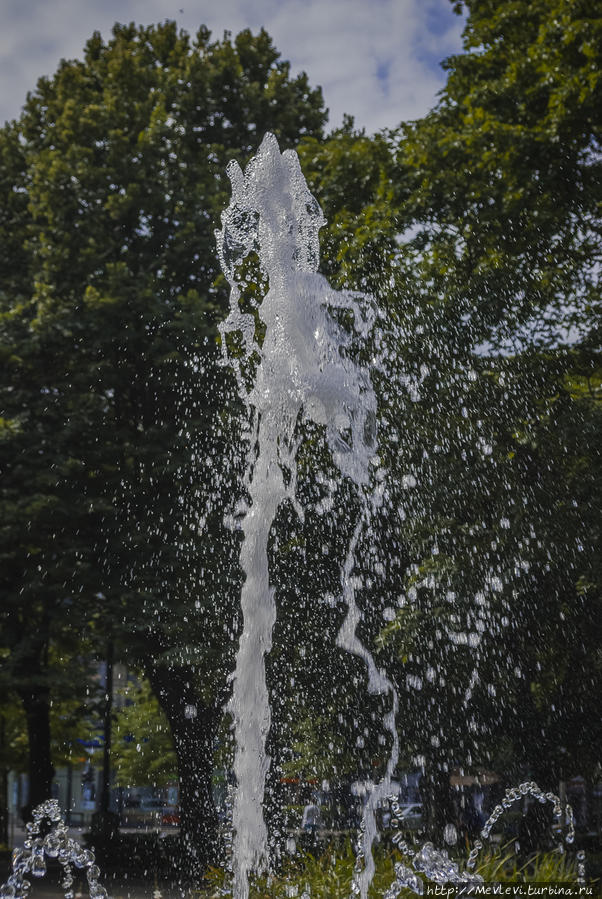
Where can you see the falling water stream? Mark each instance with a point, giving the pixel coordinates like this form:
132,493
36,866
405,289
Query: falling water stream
303,370
294,362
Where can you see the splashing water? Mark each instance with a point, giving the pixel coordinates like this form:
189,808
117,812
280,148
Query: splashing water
303,371
378,682
56,844
433,863
436,865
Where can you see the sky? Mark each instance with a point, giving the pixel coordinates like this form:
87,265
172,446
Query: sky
377,60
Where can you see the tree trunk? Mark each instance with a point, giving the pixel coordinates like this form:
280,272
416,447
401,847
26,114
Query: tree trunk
36,703
193,728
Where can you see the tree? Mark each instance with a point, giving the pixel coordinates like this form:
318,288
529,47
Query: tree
490,400
143,753
504,174
113,193
498,303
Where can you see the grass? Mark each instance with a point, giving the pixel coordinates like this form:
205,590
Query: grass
328,876
548,867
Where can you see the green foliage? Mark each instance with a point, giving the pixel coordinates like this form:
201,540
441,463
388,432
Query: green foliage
120,157
551,867
496,291
353,177
326,877
477,229
142,753
329,876
503,176
116,409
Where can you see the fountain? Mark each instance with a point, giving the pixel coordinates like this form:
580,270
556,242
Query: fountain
53,844
303,370
295,362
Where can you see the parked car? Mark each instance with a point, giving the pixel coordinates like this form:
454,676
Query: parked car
170,816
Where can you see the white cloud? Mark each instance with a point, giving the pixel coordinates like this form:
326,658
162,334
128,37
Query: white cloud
341,44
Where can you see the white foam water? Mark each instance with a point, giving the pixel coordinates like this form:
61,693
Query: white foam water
302,370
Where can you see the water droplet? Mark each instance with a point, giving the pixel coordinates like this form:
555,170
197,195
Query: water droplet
97,891
450,834
38,866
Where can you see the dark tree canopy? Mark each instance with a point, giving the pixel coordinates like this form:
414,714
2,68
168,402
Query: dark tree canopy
115,411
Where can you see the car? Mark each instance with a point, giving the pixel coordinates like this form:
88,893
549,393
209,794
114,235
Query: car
409,816
170,816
